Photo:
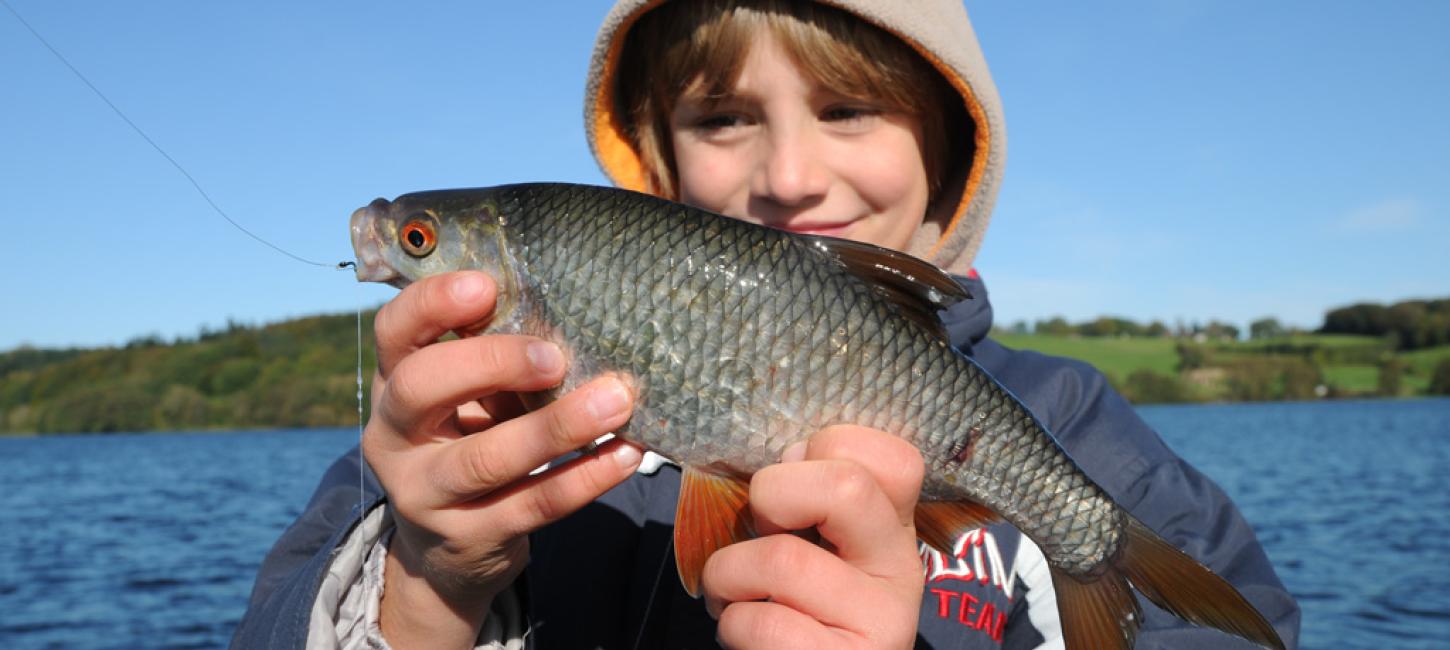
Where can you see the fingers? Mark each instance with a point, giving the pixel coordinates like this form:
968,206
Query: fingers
428,309
536,501
855,479
430,383
772,625
484,462
793,572
843,501
895,464
857,488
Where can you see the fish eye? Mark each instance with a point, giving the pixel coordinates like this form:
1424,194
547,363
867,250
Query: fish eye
419,235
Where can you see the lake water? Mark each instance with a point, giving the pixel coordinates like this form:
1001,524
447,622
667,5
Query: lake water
136,541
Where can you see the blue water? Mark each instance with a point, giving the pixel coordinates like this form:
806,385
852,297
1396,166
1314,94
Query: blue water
136,541
1351,500
145,541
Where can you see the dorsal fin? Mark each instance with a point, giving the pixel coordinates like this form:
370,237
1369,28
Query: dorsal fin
917,287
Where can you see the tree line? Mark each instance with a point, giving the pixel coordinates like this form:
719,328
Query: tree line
1407,325
303,372
293,374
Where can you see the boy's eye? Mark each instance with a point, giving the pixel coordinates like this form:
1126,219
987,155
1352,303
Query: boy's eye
849,113
718,122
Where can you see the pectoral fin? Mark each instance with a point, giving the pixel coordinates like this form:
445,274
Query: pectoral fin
713,512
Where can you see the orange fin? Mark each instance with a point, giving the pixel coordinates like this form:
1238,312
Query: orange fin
1180,584
713,512
940,523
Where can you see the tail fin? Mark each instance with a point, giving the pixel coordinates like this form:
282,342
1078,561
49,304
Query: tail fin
1101,612
1179,584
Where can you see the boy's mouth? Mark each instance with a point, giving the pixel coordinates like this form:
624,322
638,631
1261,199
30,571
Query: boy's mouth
827,229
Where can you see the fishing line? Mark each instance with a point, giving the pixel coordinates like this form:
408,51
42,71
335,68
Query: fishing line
155,146
653,591
362,463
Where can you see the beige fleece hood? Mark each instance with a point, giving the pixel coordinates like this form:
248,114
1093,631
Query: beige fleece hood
937,29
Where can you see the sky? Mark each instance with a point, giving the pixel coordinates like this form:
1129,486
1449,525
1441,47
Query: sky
1173,160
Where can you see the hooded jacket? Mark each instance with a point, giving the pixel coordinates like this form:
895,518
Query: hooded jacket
603,576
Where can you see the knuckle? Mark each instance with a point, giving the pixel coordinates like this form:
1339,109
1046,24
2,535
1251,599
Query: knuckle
592,481
484,469
386,327
564,431
757,625
408,504
786,555
544,504
497,354
769,629
403,391
372,445
851,484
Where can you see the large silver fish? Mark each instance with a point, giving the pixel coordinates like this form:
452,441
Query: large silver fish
742,340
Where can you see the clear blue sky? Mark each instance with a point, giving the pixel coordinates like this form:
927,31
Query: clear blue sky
1175,160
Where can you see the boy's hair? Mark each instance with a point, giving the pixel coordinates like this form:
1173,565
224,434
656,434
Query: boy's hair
680,44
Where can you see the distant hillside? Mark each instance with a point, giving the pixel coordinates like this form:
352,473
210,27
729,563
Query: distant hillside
291,374
1156,369
303,372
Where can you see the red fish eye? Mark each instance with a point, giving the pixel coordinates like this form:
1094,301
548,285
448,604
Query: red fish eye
418,237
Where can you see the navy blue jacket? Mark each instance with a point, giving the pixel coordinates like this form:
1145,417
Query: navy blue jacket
604,577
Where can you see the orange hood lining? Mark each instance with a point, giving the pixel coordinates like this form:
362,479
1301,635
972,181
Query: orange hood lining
621,163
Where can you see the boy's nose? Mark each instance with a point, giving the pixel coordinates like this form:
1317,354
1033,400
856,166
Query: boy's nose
793,172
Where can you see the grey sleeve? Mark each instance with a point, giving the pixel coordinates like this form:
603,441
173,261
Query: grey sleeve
345,615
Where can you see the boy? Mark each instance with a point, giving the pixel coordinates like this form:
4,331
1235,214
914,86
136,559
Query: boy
872,121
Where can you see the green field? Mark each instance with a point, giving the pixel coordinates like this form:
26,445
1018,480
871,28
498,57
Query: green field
1354,379
1355,374
1422,362
1117,357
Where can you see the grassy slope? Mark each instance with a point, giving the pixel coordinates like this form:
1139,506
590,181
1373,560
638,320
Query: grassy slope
1115,356
1119,357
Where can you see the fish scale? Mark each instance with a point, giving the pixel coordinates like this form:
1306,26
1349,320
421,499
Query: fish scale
742,340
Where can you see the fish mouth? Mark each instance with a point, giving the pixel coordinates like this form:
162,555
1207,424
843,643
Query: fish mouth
368,246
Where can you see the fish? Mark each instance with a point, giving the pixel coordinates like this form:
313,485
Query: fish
741,340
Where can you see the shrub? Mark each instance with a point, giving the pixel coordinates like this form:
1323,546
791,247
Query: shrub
1440,378
1391,378
1147,387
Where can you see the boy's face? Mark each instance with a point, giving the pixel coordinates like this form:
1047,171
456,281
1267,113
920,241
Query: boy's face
785,152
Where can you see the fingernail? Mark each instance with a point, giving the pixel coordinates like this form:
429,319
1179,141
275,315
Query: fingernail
608,399
628,456
546,357
793,453
467,287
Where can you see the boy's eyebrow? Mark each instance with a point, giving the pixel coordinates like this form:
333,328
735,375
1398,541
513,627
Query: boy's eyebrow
711,100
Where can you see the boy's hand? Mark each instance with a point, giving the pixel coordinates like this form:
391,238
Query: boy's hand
861,588
455,466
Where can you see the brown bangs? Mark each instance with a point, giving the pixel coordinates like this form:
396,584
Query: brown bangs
700,47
